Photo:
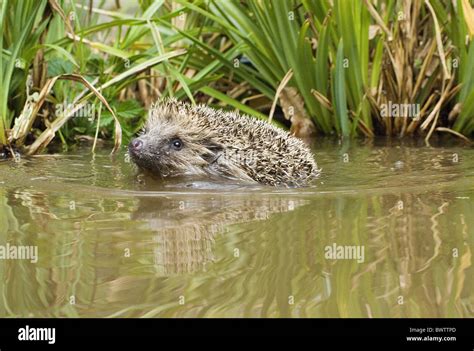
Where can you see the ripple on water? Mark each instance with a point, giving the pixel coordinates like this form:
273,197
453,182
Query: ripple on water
135,246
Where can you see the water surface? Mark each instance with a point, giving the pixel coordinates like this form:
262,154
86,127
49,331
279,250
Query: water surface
114,244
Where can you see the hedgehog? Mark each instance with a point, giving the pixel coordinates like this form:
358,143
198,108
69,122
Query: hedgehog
183,139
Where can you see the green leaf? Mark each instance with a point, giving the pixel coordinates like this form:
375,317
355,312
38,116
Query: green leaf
58,66
125,110
81,130
340,91
63,52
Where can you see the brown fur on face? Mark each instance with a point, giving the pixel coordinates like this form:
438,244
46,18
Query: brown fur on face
180,139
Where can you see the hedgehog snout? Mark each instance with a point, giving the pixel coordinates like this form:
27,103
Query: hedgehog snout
136,146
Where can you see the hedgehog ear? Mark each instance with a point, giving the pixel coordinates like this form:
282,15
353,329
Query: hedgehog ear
214,148
212,145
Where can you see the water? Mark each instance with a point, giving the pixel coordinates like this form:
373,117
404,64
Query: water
113,244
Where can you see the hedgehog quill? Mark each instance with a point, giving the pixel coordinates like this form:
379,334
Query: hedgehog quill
180,139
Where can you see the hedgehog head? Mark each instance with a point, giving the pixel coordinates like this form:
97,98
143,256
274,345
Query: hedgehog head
174,141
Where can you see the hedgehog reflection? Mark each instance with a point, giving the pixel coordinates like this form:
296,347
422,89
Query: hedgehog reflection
186,229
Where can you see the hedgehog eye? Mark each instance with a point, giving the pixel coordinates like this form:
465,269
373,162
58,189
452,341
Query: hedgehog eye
177,144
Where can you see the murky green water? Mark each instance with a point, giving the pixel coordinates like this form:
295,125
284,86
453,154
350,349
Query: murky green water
111,244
